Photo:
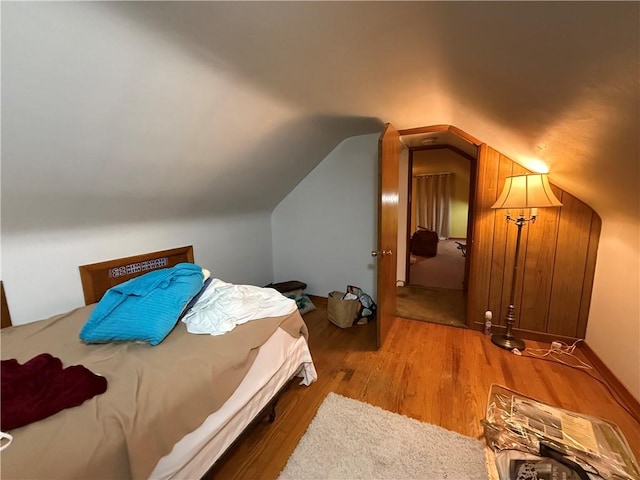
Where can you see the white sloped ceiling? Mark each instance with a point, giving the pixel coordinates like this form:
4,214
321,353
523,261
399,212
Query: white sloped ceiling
124,110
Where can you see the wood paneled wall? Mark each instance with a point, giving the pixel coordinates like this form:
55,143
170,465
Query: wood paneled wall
556,264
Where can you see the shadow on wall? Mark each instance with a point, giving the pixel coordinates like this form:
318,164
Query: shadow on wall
320,56
256,181
502,59
288,156
535,67
520,73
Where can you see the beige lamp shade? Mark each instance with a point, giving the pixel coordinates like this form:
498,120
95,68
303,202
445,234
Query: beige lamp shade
527,191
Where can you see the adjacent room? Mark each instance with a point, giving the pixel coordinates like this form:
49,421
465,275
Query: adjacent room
467,174
433,276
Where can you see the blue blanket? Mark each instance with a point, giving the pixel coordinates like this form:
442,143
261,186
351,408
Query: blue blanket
145,308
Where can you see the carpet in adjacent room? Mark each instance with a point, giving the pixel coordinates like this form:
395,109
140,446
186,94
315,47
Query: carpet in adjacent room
348,439
437,305
445,270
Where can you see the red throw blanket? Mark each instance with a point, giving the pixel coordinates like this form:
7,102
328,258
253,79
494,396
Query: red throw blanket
41,387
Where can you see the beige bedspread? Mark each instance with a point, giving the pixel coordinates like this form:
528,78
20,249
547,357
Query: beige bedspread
155,395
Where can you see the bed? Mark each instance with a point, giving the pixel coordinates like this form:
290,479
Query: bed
169,411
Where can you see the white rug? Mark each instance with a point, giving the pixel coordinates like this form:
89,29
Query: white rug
349,439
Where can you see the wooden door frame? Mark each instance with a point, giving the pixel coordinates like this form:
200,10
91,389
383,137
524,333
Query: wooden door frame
473,176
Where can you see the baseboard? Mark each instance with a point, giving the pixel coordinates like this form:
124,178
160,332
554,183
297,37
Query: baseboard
616,385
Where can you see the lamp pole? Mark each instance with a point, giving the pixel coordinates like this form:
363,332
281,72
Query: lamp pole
507,340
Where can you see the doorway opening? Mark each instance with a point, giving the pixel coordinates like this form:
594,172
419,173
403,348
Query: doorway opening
435,226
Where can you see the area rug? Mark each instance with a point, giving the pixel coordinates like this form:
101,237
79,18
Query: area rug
349,439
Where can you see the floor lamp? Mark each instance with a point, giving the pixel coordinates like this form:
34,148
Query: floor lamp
520,193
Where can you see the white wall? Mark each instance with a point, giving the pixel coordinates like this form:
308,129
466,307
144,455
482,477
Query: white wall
106,112
613,330
325,229
40,269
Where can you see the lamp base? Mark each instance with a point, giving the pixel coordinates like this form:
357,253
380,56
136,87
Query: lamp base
508,343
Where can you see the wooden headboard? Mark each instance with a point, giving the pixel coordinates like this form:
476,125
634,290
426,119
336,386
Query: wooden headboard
97,278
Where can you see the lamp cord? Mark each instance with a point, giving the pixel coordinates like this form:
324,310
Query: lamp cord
584,367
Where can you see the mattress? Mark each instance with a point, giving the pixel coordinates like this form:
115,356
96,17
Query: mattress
281,357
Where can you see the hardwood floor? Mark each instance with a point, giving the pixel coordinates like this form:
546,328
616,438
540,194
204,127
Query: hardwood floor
430,372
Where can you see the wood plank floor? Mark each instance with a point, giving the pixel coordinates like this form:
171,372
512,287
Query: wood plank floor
430,372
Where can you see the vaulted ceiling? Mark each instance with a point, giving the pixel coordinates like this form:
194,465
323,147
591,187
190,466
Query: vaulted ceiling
113,111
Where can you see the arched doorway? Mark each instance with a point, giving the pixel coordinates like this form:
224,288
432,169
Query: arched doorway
434,247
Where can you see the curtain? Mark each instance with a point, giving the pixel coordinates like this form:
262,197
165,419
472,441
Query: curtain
433,196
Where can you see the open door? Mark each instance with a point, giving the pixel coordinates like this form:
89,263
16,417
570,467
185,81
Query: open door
388,157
